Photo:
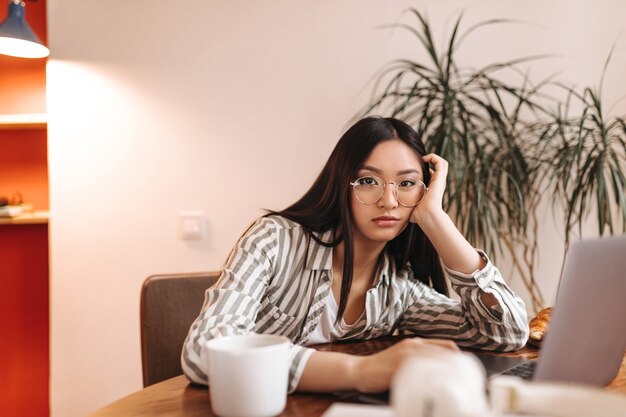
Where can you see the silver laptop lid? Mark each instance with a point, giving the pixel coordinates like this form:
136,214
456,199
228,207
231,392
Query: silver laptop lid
587,336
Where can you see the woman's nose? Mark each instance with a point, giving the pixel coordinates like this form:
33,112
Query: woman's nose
389,199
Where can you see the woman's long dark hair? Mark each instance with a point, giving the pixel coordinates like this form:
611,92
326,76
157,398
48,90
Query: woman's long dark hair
326,205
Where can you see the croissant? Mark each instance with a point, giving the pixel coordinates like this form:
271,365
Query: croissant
539,326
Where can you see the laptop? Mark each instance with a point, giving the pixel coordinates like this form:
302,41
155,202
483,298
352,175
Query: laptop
586,340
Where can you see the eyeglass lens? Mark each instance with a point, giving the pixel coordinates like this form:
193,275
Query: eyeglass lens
409,191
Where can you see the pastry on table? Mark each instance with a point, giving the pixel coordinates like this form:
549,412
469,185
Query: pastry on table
539,327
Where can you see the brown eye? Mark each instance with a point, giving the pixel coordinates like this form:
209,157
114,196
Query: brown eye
367,181
408,183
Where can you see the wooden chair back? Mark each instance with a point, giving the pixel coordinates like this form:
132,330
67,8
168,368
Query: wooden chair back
169,305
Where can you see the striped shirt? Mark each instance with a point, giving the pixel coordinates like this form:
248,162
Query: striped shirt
277,278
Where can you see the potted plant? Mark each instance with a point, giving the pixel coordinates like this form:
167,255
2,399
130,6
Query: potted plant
587,157
507,148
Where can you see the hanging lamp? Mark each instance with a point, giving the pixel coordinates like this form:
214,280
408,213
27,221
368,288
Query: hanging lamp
16,36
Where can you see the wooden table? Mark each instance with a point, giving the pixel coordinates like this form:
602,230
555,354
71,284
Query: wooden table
175,397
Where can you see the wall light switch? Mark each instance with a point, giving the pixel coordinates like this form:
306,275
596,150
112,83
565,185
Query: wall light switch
191,225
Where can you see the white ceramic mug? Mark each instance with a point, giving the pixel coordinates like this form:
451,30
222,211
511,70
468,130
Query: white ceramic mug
248,374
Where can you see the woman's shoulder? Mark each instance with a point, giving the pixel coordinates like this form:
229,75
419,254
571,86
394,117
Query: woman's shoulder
274,224
286,229
265,232
278,222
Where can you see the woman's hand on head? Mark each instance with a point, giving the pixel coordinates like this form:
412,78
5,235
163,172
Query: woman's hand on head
374,373
432,203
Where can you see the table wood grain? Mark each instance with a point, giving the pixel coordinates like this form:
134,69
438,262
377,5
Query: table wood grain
176,397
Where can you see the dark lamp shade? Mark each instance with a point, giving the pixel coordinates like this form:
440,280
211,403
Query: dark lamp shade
17,38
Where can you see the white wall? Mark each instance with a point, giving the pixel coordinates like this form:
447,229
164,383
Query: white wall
157,107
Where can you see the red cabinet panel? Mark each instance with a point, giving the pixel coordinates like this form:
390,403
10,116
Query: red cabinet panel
24,321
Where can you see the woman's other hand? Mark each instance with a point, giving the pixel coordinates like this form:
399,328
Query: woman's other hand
374,373
454,250
432,203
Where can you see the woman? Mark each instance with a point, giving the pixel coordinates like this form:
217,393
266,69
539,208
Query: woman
360,256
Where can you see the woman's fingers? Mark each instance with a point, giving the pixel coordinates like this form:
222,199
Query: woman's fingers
439,171
447,344
377,370
433,158
432,202
419,343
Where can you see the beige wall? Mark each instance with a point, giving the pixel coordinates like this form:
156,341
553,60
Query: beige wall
158,107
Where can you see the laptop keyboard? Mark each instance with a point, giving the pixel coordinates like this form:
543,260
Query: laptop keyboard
524,370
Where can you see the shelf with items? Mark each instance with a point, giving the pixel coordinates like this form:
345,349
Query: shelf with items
23,121
35,217
24,168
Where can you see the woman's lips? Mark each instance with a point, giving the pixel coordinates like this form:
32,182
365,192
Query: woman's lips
386,221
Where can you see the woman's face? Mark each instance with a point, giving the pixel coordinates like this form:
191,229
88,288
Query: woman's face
392,161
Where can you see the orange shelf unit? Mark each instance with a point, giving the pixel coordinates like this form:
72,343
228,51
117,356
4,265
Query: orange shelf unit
24,271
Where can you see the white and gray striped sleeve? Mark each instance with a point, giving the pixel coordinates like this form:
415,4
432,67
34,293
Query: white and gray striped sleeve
231,305
468,321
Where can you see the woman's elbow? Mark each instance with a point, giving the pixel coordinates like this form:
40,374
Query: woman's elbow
512,340
192,370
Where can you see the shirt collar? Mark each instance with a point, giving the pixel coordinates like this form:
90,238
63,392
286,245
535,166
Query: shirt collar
320,257
384,271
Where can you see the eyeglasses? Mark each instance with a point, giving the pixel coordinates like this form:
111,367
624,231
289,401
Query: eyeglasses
370,189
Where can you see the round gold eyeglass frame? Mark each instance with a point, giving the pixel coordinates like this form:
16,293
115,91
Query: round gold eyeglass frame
355,183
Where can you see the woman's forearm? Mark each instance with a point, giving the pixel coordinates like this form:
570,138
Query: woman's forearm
329,371
455,251
333,371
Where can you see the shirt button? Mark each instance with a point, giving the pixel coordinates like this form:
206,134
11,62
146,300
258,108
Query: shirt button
277,315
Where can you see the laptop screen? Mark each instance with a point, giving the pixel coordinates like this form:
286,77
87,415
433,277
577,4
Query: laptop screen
587,336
